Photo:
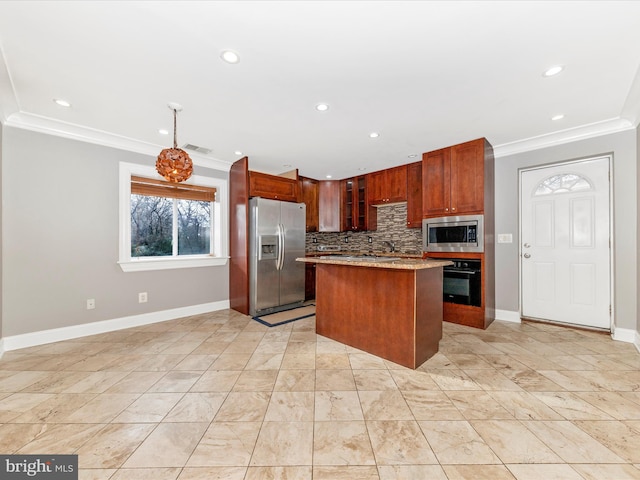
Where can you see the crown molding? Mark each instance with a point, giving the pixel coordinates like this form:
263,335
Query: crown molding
50,126
71,131
582,132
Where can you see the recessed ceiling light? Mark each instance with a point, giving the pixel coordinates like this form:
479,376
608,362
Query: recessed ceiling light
362,169
413,155
374,135
328,176
230,56
162,131
322,107
238,152
286,165
62,103
553,71
557,117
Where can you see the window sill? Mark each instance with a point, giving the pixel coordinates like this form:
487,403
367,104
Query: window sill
171,263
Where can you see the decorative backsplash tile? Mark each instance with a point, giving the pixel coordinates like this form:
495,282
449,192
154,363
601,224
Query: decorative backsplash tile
392,227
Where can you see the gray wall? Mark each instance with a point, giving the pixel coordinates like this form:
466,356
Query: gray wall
1,242
60,239
623,146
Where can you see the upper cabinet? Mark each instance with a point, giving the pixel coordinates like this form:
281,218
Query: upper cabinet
414,195
453,179
274,187
387,186
354,204
329,206
309,188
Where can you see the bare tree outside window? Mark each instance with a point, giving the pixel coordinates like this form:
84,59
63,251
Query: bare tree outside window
151,226
194,227
152,229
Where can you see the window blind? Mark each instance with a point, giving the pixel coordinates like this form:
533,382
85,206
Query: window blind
160,188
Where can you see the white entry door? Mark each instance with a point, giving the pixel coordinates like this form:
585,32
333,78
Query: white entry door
564,251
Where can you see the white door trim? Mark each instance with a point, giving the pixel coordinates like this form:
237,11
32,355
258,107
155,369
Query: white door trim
609,157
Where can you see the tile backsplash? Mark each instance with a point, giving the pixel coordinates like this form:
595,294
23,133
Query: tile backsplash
392,227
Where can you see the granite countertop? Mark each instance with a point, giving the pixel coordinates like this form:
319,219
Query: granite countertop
394,262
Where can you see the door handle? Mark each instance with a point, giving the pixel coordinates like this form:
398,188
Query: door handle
526,255
526,245
280,259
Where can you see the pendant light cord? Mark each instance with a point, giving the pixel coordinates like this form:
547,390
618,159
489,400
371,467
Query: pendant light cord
175,137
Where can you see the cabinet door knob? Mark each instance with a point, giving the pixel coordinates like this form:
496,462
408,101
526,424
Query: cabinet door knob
526,255
453,209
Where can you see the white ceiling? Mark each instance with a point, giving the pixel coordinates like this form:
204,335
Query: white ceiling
424,74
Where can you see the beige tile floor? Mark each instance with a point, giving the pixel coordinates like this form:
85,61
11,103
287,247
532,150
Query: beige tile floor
220,396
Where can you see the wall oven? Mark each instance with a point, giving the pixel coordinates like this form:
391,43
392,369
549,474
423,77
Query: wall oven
461,282
463,233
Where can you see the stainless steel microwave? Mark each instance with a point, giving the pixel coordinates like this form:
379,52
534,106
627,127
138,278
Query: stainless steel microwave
463,233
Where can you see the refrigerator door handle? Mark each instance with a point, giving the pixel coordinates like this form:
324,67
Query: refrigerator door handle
280,260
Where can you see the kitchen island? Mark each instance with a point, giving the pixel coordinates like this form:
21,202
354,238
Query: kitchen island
389,307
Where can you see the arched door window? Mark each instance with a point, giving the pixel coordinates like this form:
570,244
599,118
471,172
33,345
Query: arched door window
562,183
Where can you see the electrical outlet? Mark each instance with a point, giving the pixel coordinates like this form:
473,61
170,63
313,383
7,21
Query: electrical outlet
142,297
370,239
91,303
346,239
314,240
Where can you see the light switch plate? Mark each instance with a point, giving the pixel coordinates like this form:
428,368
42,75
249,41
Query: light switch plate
505,238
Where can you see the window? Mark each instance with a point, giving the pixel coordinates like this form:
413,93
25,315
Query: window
562,183
165,225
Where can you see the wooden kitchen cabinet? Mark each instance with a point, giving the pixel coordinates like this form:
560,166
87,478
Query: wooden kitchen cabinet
460,180
329,206
273,186
387,186
453,179
354,204
309,188
414,195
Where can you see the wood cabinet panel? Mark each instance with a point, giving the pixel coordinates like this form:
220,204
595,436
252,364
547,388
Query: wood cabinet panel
414,195
309,188
397,184
273,187
376,187
436,190
387,186
239,236
309,281
467,174
329,205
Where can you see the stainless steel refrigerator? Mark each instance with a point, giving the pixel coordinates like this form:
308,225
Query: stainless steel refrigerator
277,238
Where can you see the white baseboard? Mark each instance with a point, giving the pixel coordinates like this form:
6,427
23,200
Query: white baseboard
1,347
626,335
508,316
42,337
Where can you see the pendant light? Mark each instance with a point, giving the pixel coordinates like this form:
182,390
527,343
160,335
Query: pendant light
174,163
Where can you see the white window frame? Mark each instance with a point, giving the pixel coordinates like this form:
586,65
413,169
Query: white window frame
219,255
